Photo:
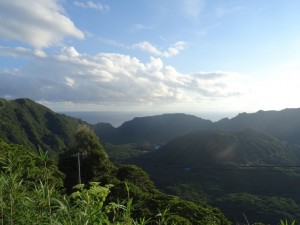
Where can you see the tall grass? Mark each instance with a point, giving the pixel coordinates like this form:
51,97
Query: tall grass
43,203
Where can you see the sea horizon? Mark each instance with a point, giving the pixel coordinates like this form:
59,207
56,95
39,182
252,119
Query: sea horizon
117,118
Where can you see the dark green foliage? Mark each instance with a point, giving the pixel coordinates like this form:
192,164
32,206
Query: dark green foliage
246,148
193,213
29,183
215,166
259,208
285,222
118,154
94,162
25,122
29,166
104,130
128,182
136,176
30,194
150,204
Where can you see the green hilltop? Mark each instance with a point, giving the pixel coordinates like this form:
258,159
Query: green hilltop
23,121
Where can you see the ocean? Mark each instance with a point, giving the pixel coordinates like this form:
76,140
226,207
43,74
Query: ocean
118,118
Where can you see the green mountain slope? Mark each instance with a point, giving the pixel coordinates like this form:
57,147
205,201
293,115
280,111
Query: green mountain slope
154,129
26,122
230,170
248,147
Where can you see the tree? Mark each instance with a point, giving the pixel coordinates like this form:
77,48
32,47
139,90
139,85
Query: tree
94,162
137,176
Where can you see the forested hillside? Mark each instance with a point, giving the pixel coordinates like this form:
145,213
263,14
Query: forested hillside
247,172
23,121
245,148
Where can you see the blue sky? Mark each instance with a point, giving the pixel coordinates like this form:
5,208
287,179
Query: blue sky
158,55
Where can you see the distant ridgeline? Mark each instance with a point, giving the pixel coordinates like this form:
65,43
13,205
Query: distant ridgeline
154,129
26,122
284,125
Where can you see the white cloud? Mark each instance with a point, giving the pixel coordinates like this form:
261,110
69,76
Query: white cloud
15,52
39,53
21,52
109,78
69,81
39,23
92,5
171,51
69,52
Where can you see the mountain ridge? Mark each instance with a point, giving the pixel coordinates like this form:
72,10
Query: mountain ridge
18,117
31,124
155,129
283,124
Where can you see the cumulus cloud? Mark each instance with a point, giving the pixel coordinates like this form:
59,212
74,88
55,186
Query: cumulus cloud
108,78
39,23
171,51
92,5
147,46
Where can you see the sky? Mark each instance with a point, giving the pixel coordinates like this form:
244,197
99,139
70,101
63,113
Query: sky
158,55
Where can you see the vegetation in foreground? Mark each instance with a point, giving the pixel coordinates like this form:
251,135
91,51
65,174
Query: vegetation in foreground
32,191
